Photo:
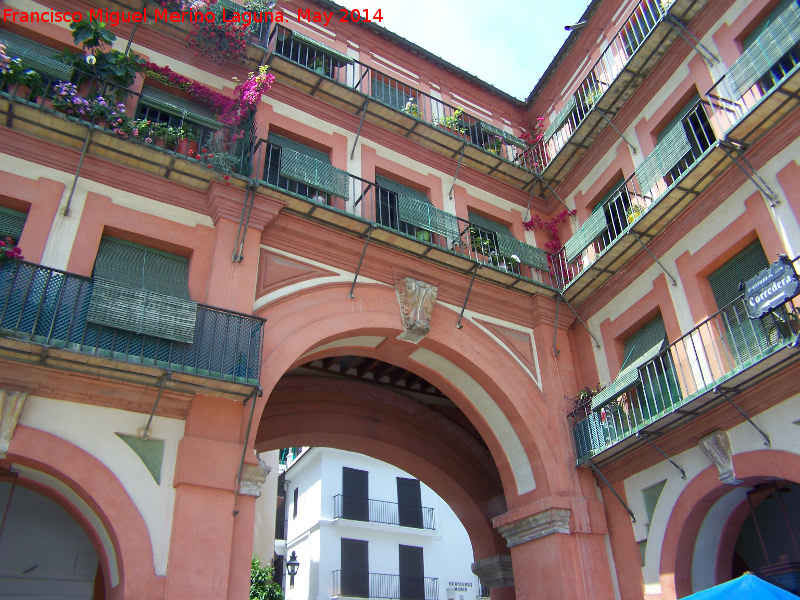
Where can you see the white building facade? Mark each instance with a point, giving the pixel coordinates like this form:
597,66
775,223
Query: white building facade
362,528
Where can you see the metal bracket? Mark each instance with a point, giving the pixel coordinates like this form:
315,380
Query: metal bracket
643,436
613,491
257,391
78,171
552,191
164,378
361,260
614,127
724,392
244,220
475,270
753,175
653,256
555,327
577,316
682,31
361,123
458,168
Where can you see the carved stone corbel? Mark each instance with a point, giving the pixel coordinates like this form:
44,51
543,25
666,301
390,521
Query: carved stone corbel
11,403
416,299
547,522
253,478
717,447
495,571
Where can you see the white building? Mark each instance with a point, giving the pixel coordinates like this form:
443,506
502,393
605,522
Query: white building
362,528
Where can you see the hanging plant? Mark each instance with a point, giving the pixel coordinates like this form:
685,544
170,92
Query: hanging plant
536,222
218,39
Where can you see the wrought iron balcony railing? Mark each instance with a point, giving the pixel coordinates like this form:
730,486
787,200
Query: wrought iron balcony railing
50,308
380,511
335,196
361,584
725,352
761,87
644,204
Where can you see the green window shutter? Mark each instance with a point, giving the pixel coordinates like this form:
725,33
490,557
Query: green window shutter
746,337
11,223
673,145
509,137
640,348
488,224
178,106
560,118
400,189
527,254
386,93
425,215
142,290
591,229
779,32
313,172
322,48
283,142
35,56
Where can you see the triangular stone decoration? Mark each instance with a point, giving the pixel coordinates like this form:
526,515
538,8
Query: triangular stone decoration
519,342
150,451
275,272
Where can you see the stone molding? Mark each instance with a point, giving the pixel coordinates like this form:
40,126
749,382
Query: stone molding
253,478
717,447
416,299
11,403
547,522
495,571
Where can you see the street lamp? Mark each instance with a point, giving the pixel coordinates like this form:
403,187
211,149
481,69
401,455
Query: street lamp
291,567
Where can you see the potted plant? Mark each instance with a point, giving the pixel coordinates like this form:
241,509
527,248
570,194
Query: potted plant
452,123
593,96
318,64
495,145
186,144
423,235
411,108
9,251
634,212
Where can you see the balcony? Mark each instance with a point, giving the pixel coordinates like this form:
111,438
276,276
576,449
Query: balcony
726,353
379,511
680,168
349,85
315,190
44,320
358,584
629,57
763,86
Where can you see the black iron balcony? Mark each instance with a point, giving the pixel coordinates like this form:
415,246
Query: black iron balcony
682,165
630,56
354,87
726,353
360,584
316,190
379,511
44,317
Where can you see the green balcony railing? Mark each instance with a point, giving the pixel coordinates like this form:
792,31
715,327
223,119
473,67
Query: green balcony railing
681,380
51,308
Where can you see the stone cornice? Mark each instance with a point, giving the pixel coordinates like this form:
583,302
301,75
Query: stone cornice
495,571
547,522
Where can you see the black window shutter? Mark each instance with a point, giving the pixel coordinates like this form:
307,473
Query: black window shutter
409,502
294,504
412,573
355,568
355,494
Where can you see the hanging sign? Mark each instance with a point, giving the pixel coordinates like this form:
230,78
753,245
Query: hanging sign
771,288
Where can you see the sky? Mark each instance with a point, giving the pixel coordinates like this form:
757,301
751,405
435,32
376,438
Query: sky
505,43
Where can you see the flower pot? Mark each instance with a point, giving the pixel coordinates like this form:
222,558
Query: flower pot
633,216
423,235
22,91
187,148
160,142
320,70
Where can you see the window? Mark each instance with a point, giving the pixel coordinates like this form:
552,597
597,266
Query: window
747,338
486,238
311,54
161,107
294,503
699,136
12,223
776,42
355,568
615,206
355,494
36,56
409,502
412,573
143,290
301,170
393,93
390,195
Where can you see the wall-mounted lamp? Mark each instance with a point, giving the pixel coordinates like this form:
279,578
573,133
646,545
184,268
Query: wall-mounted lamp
291,567
574,27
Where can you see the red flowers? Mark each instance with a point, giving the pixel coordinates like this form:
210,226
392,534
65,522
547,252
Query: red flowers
9,250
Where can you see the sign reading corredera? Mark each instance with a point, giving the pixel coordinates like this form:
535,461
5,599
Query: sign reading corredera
771,288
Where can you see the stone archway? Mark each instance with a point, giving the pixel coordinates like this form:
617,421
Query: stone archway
695,504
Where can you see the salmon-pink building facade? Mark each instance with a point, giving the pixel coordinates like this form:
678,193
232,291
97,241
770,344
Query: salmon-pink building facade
533,307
